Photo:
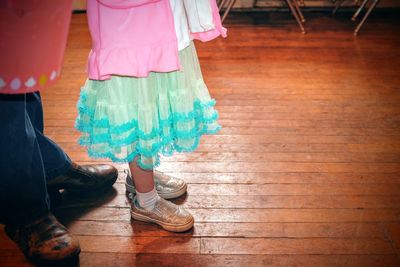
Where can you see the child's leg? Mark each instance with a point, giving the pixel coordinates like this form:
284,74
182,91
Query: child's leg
143,179
146,193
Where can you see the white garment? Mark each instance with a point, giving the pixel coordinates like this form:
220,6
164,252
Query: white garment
199,15
181,24
191,16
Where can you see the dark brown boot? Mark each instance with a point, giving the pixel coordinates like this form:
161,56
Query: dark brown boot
45,240
85,179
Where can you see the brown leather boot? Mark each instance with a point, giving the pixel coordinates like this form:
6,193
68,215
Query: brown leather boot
85,179
44,240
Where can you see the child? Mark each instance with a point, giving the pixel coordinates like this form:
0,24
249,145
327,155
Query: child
145,95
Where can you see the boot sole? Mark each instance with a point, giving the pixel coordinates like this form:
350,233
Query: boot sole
66,261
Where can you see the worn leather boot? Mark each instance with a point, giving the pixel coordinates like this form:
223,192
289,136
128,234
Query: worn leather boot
44,240
85,179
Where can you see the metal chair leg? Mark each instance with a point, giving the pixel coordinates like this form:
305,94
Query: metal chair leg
296,16
338,4
221,4
228,9
363,4
298,10
254,3
373,5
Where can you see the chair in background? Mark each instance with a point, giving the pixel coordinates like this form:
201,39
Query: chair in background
357,13
293,6
229,4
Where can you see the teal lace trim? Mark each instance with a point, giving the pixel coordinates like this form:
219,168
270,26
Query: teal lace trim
118,129
153,153
137,134
155,132
162,141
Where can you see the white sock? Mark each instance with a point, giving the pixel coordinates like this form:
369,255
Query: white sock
147,200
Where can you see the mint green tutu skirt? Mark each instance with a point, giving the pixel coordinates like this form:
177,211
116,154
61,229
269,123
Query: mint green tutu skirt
124,117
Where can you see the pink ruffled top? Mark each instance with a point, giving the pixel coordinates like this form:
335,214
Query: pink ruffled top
131,41
135,37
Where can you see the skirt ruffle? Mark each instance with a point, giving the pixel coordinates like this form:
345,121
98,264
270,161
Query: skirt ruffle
124,117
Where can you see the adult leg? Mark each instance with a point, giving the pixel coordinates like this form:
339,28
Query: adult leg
24,205
23,196
55,160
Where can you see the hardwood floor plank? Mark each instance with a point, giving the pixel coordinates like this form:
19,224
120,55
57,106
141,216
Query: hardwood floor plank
272,157
87,259
271,230
294,246
13,258
281,167
393,230
302,189
112,260
194,201
284,177
262,139
245,215
281,147
171,245
54,131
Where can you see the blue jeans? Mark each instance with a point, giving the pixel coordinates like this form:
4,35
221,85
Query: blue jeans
27,159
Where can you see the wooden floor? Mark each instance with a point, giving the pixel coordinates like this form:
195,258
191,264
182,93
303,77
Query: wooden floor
306,171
